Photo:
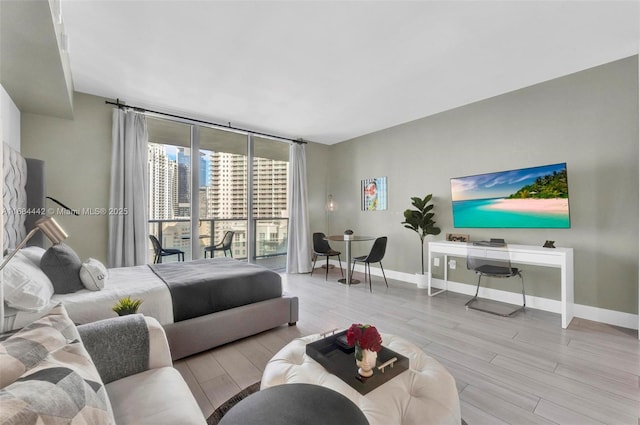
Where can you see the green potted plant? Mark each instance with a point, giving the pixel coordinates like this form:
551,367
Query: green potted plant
126,306
421,221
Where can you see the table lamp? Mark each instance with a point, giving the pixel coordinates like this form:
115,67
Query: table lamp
49,226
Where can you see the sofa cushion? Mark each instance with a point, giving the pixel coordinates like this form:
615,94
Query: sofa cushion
145,398
29,346
63,387
62,265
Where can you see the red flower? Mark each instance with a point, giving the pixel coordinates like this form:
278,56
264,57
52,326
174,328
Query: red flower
366,336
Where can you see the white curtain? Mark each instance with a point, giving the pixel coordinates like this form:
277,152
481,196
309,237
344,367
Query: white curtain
128,226
299,238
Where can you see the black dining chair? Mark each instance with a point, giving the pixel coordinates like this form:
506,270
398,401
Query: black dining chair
321,248
375,256
160,252
224,245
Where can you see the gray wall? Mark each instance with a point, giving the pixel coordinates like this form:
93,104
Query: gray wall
588,120
77,155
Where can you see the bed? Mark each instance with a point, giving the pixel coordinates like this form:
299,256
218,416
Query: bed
248,299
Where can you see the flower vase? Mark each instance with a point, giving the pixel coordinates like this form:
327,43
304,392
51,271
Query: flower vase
366,361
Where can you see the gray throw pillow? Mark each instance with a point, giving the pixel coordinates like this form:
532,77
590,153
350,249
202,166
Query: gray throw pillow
62,266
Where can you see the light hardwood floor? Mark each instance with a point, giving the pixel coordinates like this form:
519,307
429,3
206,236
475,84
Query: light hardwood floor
520,370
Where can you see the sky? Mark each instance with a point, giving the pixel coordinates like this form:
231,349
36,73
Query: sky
499,184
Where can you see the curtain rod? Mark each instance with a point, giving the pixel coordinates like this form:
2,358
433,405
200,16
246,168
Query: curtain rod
121,105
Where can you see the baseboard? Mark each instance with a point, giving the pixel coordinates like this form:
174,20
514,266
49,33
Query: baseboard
602,315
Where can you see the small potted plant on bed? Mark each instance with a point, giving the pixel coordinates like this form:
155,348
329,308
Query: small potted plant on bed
421,221
126,306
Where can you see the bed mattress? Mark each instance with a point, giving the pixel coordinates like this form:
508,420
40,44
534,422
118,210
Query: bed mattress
87,306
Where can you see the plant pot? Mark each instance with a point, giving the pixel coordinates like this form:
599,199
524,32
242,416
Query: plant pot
127,311
423,280
368,362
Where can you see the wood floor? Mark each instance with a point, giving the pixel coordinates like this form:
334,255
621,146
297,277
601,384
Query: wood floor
520,370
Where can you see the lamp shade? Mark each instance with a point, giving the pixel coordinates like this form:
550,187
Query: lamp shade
52,230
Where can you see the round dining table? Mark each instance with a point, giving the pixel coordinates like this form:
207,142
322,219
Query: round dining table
347,239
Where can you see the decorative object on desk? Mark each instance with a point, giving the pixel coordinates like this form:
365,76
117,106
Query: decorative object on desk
421,221
549,244
367,342
374,194
456,237
126,306
348,234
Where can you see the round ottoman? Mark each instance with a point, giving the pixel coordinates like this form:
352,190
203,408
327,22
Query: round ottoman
295,404
424,394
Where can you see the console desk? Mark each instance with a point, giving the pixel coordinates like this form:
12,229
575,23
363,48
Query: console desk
561,258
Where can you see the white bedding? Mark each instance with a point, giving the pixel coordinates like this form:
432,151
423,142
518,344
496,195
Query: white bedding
86,306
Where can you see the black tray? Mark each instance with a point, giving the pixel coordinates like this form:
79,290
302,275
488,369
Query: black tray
342,363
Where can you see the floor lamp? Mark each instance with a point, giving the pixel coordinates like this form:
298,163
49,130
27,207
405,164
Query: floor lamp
52,230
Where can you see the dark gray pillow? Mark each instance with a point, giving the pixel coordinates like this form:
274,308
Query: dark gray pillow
62,266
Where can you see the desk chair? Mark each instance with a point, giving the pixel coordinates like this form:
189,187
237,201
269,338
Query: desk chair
375,256
321,248
223,246
497,265
160,252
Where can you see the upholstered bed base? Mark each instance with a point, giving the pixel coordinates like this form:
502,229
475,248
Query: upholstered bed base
205,332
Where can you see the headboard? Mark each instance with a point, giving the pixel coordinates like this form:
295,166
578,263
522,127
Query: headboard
23,192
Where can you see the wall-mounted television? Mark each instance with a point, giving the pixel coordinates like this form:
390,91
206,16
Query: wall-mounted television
535,197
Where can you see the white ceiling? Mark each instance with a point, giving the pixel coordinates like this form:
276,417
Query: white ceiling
328,71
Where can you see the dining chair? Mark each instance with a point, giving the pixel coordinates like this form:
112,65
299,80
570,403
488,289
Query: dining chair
224,245
498,266
321,248
160,252
375,256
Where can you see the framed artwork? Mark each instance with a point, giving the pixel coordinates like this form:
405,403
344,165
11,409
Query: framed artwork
456,237
374,194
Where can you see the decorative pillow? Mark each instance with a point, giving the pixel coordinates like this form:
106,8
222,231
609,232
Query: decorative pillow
62,265
93,274
64,387
30,345
33,253
26,287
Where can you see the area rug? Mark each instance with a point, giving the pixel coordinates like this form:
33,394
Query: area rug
227,405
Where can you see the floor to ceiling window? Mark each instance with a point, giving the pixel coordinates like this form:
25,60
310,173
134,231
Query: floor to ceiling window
220,201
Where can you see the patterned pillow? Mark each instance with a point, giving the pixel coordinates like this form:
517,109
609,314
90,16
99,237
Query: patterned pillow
64,387
28,347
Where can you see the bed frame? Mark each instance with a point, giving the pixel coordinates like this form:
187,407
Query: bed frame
25,189
205,332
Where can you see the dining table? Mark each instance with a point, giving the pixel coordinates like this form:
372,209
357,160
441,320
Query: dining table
347,239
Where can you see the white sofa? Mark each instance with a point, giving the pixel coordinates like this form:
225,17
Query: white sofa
117,370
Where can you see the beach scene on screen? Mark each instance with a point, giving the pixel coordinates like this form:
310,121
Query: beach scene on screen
536,197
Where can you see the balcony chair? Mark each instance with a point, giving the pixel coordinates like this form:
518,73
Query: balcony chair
160,252
223,246
321,248
375,256
498,265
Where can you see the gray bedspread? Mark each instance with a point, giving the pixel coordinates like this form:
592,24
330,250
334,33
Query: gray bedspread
201,287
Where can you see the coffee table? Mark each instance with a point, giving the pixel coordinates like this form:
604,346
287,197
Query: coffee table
424,394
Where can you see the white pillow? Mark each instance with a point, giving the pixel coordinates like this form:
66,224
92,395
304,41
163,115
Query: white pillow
93,274
33,253
26,287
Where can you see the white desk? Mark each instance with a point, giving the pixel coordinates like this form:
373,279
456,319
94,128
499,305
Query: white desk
561,258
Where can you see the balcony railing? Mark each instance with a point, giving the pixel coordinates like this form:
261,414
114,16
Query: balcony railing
270,237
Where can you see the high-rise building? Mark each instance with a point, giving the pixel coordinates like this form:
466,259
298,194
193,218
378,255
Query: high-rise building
222,196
